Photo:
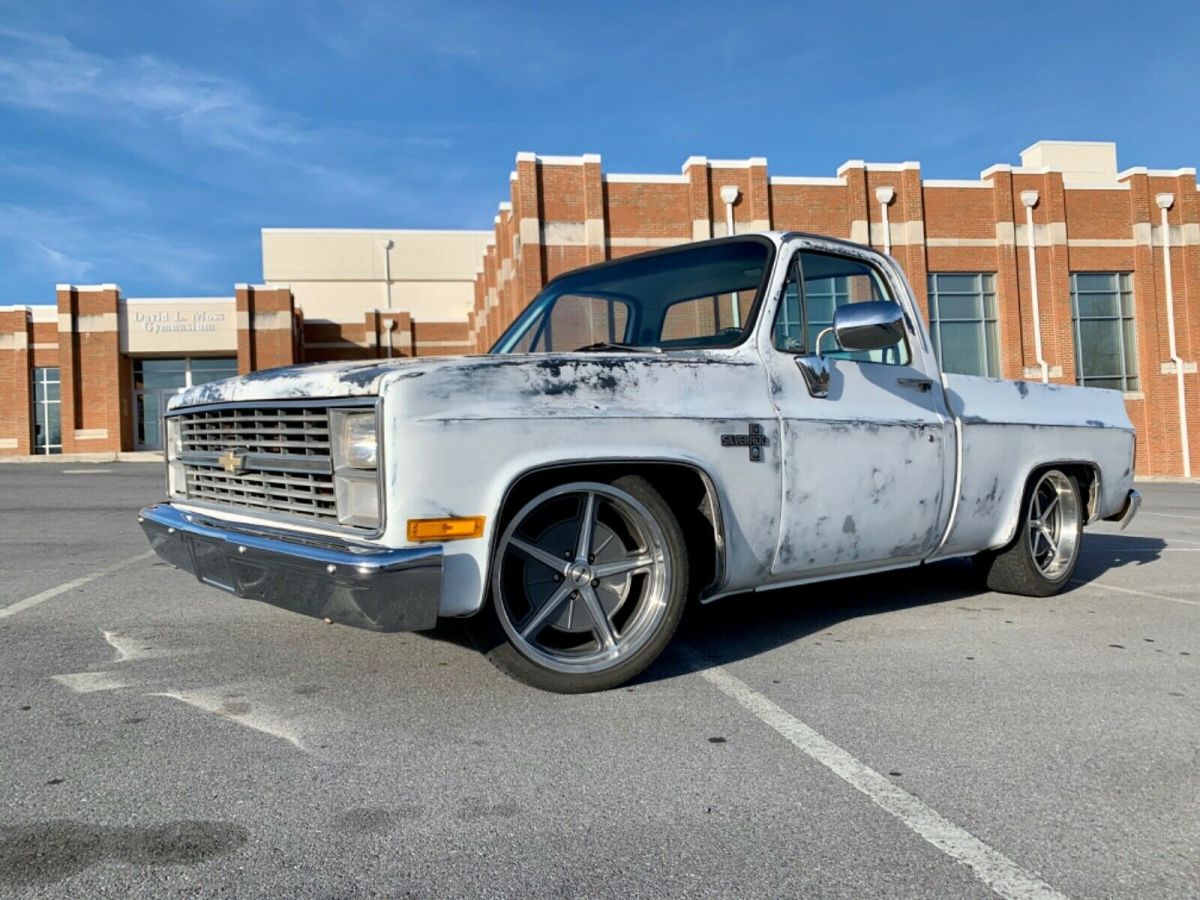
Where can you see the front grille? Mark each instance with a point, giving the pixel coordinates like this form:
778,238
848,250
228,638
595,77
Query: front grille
283,455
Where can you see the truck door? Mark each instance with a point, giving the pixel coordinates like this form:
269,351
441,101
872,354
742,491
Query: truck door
867,468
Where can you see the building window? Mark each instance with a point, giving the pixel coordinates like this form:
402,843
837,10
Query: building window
962,322
1102,313
155,381
47,409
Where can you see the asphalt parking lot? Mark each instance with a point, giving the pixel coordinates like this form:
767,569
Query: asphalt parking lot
903,735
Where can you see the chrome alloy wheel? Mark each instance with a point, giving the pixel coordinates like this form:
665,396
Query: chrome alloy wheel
1053,525
582,577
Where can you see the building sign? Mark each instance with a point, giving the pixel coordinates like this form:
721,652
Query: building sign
163,321
173,326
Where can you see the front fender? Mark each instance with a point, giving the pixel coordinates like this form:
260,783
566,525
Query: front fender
469,467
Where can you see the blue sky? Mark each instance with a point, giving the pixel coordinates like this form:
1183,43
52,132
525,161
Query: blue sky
147,143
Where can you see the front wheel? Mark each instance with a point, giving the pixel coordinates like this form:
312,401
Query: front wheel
588,583
1042,557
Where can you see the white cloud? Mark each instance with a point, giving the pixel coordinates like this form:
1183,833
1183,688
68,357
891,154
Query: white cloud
48,73
72,247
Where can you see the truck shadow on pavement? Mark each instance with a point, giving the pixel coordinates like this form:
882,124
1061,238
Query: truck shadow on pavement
746,625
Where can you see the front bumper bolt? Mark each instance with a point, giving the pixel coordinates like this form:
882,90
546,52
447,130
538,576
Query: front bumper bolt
331,568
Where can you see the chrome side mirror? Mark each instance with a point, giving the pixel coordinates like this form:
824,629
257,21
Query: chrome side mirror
872,325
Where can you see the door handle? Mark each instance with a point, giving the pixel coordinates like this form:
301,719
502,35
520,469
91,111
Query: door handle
924,385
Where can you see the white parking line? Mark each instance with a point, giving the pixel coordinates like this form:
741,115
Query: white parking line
50,593
1113,587
1146,550
90,682
211,703
990,866
1170,516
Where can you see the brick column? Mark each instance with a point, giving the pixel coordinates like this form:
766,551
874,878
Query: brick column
1185,274
266,327
858,204
1011,277
595,226
96,401
1158,436
909,207
1058,337
530,266
16,412
699,197
758,196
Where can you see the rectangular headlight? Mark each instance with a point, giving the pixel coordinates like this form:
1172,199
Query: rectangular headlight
356,467
356,443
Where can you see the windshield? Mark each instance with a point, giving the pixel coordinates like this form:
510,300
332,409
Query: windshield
699,296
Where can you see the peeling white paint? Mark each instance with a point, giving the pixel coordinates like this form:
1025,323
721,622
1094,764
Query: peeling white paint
862,480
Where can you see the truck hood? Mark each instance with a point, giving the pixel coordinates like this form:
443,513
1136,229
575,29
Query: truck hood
530,377
312,380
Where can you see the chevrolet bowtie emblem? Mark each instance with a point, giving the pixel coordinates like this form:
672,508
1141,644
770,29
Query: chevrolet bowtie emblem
232,461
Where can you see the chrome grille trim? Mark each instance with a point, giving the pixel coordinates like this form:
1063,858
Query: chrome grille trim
285,449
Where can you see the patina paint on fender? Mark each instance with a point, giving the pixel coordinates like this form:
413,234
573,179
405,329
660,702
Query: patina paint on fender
469,431
1011,428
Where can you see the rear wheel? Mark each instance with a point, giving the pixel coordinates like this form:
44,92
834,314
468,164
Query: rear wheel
588,585
1043,555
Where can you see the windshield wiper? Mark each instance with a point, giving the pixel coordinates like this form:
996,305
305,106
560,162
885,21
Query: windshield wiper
610,345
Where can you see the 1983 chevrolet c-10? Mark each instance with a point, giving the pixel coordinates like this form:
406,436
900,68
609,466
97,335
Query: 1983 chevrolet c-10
705,420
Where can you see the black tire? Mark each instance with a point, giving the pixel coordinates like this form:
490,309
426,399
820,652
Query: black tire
1024,566
498,635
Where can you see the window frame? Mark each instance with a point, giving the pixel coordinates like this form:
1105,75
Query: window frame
504,343
880,282
1130,381
40,379
992,367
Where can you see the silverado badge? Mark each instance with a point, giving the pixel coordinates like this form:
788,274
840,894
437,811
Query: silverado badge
753,438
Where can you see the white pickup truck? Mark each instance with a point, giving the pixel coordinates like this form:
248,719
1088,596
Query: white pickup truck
711,419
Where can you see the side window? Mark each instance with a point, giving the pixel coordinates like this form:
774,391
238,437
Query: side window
707,317
817,285
575,321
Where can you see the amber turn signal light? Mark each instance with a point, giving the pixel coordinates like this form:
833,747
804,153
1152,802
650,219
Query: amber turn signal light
445,529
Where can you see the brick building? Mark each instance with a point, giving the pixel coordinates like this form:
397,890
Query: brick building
1101,284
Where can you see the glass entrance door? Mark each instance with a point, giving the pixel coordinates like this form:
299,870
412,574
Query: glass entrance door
156,380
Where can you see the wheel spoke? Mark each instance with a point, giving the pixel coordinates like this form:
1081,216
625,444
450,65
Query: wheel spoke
1037,505
1048,507
549,560
602,627
1051,544
621,566
547,609
586,527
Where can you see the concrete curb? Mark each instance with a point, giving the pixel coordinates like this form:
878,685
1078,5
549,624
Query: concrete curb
142,456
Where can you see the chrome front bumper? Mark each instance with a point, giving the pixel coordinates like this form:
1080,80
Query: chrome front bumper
376,588
1133,502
